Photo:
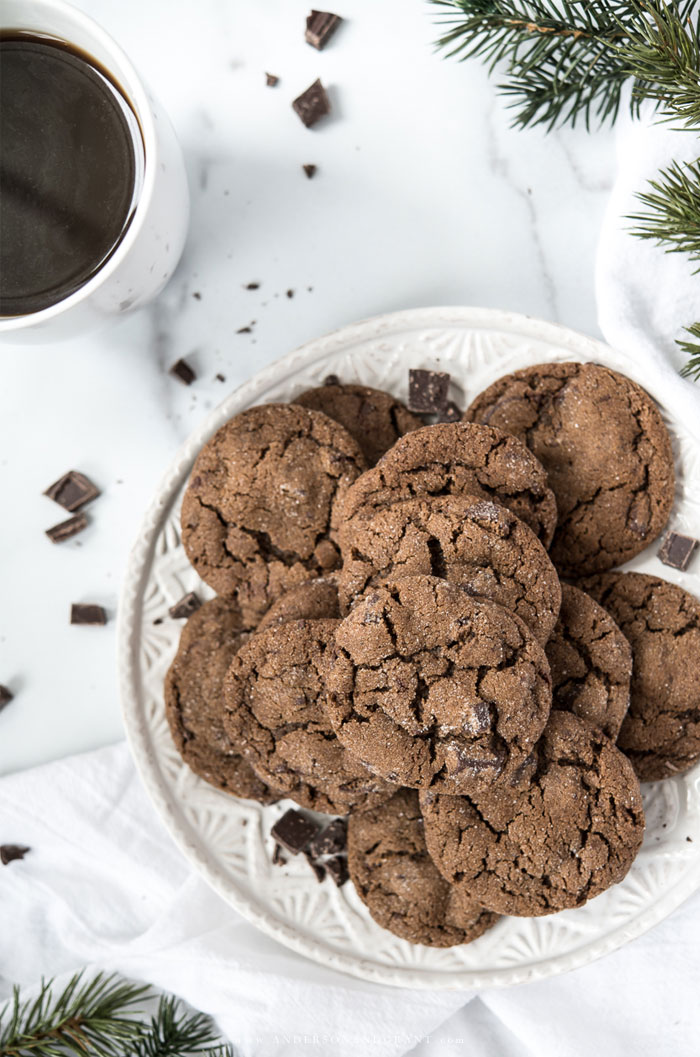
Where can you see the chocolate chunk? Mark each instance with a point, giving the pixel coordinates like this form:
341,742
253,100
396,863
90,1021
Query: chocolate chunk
449,413
244,330
677,550
271,80
290,293
187,605
337,867
313,104
331,379
182,370
318,868
320,27
72,491
220,377
310,170
427,390
6,696
86,613
331,840
8,852
65,529
294,831
252,286
197,296
278,859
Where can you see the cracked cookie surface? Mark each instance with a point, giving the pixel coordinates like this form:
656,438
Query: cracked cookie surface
661,731
591,662
607,452
398,882
433,688
313,600
454,458
258,514
478,545
272,713
194,700
374,418
574,832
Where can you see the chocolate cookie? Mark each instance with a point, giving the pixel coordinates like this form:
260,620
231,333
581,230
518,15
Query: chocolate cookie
478,545
603,443
272,712
374,418
661,731
257,517
590,661
573,833
433,688
398,882
194,700
313,600
454,458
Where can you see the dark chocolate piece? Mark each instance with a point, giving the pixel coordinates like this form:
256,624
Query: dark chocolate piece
310,170
197,296
182,370
318,868
187,605
449,413
337,867
313,104
677,550
252,286
6,696
158,620
427,390
271,80
220,377
278,858
72,491
244,330
331,379
331,840
8,852
290,293
86,613
65,529
294,831
320,27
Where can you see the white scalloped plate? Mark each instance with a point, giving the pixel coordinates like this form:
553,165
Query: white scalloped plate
227,839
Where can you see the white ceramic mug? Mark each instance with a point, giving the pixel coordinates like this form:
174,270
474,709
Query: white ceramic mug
148,252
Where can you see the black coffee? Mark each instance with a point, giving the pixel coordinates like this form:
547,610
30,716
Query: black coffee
68,170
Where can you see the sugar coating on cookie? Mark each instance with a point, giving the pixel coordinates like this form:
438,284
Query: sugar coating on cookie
606,450
194,700
273,714
398,882
454,458
478,545
591,662
433,688
374,418
312,600
661,731
568,836
258,513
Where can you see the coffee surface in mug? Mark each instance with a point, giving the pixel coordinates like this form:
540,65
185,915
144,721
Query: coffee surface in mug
68,170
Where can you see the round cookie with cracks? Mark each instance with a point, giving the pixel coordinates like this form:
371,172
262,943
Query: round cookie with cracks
272,712
434,689
661,731
194,700
453,458
607,452
374,418
565,838
312,600
398,882
480,546
258,513
590,661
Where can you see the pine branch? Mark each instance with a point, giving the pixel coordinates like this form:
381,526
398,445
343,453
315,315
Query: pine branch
172,1034
692,351
672,219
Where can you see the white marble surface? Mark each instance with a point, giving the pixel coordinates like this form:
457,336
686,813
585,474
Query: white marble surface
423,195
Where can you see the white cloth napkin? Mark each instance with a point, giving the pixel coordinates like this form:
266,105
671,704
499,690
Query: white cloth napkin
104,886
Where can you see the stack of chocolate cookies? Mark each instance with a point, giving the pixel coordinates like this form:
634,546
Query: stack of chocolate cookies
420,627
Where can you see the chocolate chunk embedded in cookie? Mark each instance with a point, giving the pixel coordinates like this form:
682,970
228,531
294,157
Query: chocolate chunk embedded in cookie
398,882
433,688
454,458
661,731
571,834
590,661
273,692
194,700
313,600
606,449
374,418
258,513
478,545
